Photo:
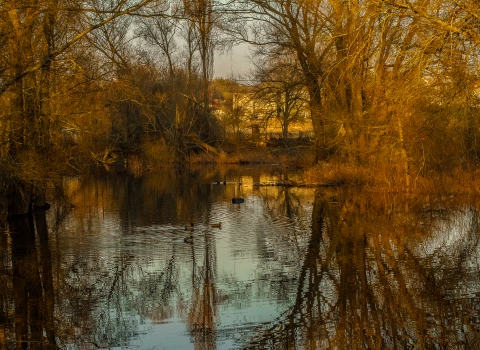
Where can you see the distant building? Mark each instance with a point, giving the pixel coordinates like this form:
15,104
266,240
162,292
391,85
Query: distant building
261,117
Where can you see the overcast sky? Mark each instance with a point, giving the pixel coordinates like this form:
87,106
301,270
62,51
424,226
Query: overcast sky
233,64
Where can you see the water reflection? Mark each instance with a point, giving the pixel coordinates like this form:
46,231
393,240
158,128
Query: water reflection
289,268
27,293
374,277
203,310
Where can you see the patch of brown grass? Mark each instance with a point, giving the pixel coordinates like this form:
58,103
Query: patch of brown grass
391,179
457,181
301,157
247,156
135,165
157,153
337,174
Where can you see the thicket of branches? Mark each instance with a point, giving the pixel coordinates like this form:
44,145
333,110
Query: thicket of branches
96,80
388,84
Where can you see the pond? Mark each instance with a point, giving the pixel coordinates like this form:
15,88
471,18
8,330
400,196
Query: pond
288,268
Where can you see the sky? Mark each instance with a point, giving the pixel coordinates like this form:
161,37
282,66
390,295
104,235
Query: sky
232,64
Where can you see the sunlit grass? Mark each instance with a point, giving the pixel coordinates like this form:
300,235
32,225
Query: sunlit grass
294,156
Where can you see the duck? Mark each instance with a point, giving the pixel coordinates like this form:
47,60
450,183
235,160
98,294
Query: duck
219,225
188,239
189,228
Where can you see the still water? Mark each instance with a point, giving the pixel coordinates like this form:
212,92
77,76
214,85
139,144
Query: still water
289,268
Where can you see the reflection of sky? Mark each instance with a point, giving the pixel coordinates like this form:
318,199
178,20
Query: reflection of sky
253,252
165,336
451,248
173,334
447,235
255,257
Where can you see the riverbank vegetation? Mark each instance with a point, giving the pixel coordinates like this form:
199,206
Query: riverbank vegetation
367,92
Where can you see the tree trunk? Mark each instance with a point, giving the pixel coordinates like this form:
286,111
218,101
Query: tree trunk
403,155
318,122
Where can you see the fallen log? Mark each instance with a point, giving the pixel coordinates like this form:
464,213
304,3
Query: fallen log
296,184
205,146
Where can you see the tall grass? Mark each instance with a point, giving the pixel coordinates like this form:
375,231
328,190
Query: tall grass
157,153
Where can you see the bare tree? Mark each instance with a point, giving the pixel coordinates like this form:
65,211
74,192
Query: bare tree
296,28
281,88
456,18
35,40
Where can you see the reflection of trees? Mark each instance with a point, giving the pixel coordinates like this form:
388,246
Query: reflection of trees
105,298
47,278
5,289
128,286
163,196
103,309
362,286
284,202
363,276
202,316
157,292
27,287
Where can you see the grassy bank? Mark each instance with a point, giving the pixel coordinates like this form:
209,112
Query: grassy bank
375,176
388,179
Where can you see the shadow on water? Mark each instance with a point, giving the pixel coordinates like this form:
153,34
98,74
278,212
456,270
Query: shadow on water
290,268
27,292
